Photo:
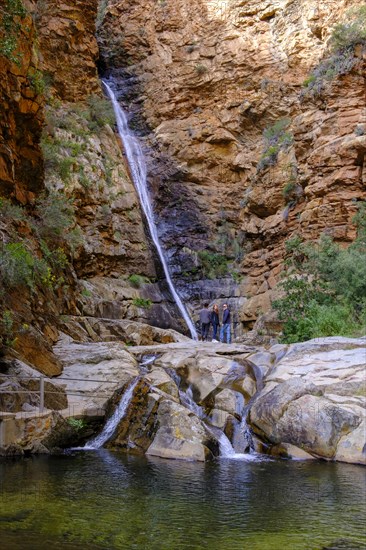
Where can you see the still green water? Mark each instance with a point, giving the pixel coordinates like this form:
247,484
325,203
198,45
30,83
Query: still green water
92,500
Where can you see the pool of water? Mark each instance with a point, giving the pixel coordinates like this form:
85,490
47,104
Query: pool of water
101,499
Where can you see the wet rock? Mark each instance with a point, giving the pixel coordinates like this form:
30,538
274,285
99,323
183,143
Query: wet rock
228,401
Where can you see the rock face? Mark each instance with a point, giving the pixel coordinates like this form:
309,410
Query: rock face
203,81
21,119
66,38
314,399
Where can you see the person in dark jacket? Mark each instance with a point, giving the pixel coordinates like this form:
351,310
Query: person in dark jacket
215,322
226,322
205,319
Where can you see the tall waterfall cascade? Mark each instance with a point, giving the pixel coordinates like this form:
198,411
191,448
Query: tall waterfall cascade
137,165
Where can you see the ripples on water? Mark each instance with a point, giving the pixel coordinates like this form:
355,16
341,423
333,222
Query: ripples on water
109,500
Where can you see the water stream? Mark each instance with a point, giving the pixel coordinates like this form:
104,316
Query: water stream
112,423
137,165
227,449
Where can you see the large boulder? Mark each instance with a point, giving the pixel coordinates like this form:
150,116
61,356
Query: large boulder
180,434
314,399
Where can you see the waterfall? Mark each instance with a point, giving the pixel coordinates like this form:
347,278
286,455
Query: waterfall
112,423
242,438
227,450
138,171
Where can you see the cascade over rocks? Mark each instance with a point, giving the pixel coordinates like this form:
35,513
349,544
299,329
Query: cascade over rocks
304,400
202,83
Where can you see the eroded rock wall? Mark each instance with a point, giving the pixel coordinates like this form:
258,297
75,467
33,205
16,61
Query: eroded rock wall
57,135
21,118
203,80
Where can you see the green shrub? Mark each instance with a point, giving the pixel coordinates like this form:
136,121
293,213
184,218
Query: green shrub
276,138
56,216
10,28
137,280
201,69
11,211
340,58
288,189
324,287
77,424
348,35
17,265
101,112
142,302
7,331
212,265
36,80
338,64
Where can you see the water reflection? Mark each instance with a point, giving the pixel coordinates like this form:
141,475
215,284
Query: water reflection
104,499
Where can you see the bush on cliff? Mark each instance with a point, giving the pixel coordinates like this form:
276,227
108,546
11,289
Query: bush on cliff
324,287
340,59
276,138
11,13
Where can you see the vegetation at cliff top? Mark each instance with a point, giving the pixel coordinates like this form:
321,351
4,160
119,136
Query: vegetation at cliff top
10,28
340,59
324,287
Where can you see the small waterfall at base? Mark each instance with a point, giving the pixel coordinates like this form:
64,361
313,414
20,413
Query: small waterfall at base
138,171
242,438
186,397
226,448
112,423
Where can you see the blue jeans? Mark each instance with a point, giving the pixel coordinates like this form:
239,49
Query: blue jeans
214,335
225,329
205,327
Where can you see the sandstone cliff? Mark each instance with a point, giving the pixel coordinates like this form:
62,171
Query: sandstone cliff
204,80
60,157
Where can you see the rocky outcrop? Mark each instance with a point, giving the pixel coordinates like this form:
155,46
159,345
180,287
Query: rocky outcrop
314,399
201,90
131,333
68,48
304,400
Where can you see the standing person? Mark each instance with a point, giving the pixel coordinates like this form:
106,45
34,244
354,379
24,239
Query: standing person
225,329
205,321
215,321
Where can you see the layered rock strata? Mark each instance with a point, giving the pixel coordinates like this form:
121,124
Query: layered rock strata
203,81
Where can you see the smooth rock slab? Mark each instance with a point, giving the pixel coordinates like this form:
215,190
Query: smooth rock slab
314,398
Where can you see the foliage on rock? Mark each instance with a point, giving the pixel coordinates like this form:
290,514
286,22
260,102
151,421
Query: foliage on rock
324,287
276,138
11,15
340,58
